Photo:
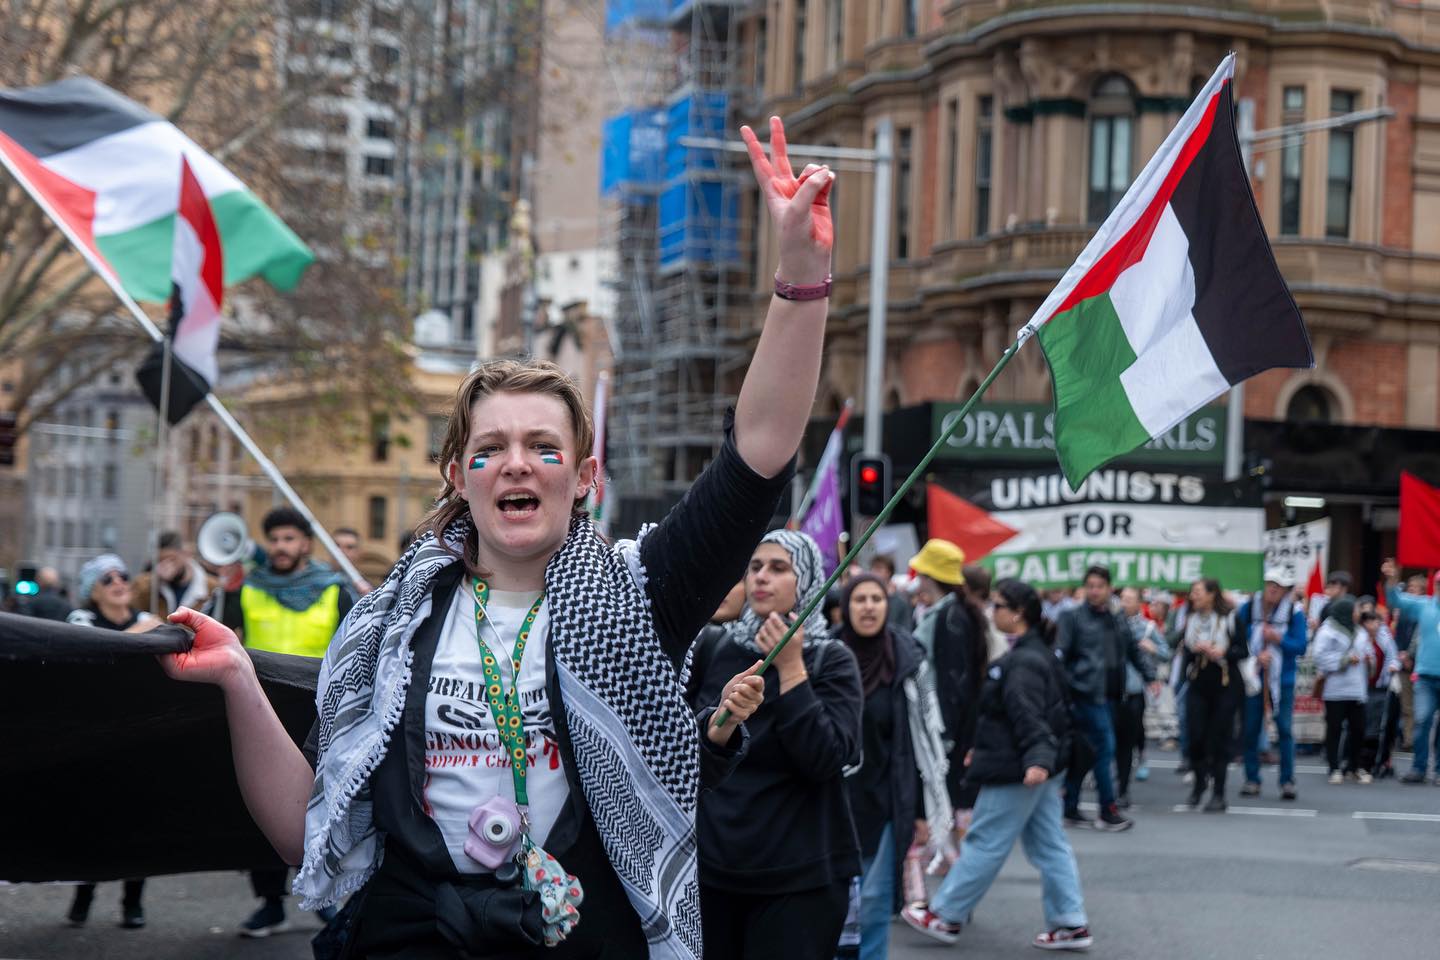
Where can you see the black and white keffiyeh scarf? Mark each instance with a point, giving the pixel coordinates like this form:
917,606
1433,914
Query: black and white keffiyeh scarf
632,735
809,565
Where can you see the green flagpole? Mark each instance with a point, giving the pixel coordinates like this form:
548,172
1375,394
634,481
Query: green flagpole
722,714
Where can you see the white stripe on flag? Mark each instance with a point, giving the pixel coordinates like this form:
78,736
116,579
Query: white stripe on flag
1174,371
136,174
198,336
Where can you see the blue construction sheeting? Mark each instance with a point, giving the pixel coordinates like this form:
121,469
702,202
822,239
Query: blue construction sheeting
631,13
702,113
632,151
699,224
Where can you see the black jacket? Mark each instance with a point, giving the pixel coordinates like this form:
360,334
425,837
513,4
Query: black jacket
899,769
1024,715
781,822
1094,645
957,690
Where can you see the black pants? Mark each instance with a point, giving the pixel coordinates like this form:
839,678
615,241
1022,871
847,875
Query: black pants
1390,732
1210,708
131,897
774,926
1128,716
269,884
1351,715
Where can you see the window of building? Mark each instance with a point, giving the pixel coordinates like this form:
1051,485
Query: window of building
384,92
904,141
87,534
68,540
329,161
244,60
1340,168
1292,161
912,17
335,123
380,128
384,57
1112,129
112,423
109,481
379,166
382,18
834,33
436,426
984,148
378,509
50,540
339,50
952,164
1311,404
799,46
380,437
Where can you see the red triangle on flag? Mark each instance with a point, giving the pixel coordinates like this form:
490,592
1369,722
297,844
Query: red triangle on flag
964,524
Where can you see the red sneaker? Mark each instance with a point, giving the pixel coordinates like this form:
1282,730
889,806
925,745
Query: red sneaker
1065,938
920,919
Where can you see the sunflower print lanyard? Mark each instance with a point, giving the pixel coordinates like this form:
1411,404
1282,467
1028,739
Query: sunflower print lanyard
505,704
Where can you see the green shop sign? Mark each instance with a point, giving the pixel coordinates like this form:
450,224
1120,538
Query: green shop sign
1021,432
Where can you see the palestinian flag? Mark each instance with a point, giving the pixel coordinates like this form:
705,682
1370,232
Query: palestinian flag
1176,299
198,289
109,169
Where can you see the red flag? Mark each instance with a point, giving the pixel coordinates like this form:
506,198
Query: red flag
1316,584
1418,544
962,523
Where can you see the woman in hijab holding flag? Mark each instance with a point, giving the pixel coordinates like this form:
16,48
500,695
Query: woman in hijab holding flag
778,849
900,734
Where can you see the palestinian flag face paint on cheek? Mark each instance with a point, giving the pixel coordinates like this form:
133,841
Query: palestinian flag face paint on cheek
478,461
553,457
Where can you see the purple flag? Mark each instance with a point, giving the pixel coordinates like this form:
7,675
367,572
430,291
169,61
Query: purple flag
825,520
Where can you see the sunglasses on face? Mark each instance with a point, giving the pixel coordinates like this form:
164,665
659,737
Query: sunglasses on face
110,578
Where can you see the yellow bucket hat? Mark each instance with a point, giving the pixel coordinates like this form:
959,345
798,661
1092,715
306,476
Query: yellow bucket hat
940,560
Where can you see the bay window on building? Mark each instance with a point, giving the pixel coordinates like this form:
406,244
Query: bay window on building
1112,145
1340,169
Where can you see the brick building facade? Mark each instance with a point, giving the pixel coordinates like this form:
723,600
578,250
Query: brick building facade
1018,127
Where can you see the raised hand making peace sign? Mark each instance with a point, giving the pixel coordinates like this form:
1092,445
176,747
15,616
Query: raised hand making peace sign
799,206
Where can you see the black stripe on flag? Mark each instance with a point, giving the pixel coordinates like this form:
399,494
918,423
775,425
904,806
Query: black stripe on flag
187,388
66,114
1242,305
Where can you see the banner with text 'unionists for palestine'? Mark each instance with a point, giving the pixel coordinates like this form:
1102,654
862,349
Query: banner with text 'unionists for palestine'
1150,528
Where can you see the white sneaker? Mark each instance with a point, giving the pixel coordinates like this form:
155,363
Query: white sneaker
1336,777
1364,777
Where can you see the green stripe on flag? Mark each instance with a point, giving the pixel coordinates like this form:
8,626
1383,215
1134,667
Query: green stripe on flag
1087,351
254,240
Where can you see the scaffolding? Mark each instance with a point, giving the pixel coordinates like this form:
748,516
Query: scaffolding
680,267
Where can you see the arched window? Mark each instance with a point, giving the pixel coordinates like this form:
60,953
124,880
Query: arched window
1112,144
1311,404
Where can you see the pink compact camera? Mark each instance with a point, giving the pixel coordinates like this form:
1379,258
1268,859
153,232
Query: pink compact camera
494,832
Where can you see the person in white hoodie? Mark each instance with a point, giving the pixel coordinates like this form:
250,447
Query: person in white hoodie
1343,658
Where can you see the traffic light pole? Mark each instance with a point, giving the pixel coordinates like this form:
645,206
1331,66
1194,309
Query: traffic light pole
1025,333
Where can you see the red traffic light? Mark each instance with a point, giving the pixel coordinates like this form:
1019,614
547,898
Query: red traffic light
869,475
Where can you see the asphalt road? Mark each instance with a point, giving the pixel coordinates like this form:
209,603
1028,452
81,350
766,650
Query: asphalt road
1347,871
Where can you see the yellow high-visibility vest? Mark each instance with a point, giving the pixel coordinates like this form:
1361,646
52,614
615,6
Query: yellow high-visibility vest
271,626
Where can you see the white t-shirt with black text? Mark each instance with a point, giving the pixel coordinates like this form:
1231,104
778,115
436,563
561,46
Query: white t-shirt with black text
465,761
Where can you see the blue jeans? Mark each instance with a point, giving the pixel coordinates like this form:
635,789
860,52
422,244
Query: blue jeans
1094,720
877,898
1427,699
1004,813
1255,724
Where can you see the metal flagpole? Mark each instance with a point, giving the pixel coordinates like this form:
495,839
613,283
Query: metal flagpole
162,447
955,421
148,325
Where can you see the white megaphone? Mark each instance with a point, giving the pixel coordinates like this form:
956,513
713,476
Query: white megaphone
224,539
